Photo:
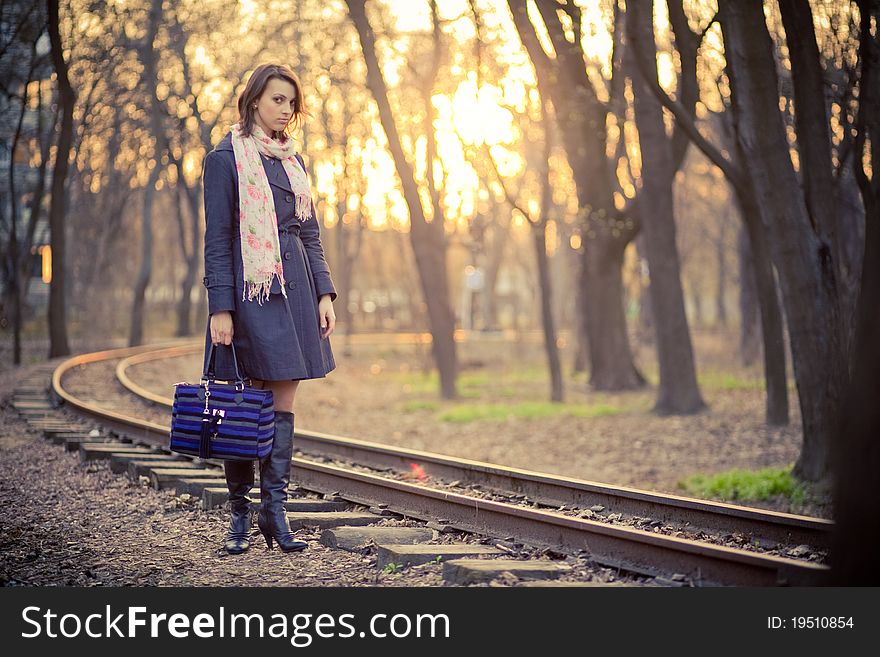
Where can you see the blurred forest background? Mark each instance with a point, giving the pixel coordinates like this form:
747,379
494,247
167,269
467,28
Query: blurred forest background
609,174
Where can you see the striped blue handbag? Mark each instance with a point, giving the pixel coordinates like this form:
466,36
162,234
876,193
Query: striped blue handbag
227,420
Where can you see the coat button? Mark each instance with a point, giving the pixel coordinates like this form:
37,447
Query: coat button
288,198
291,284
287,255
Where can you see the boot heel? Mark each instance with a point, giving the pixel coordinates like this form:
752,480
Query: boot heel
265,529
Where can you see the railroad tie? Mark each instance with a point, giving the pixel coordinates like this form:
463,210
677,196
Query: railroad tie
475,571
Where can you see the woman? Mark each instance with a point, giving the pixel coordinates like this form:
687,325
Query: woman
268,283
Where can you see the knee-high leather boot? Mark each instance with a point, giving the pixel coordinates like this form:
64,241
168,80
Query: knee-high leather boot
274,478
239,479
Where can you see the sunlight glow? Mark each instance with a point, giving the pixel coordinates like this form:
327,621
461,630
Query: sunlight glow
478,116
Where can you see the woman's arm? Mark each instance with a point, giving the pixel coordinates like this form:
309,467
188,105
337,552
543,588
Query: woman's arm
219,195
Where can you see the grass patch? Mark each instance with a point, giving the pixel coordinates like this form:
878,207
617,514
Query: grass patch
473,412
726,381
417,405
507,391
418,382
747,485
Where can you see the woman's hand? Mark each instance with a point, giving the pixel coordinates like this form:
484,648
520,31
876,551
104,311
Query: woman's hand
328,317
221,327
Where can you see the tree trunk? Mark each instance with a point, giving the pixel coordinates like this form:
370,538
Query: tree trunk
579,332
697,303
428,241
58,345
548,324
14,268
776,383
720,298
646,316
149,57
539,232
611,360
677,392
857,457
805,262
190,257
748,301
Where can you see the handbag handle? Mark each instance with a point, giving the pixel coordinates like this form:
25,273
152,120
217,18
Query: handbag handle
209,372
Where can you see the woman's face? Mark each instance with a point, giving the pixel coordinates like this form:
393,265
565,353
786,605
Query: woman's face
275,107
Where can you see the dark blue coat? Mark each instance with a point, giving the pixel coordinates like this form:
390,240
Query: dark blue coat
269,343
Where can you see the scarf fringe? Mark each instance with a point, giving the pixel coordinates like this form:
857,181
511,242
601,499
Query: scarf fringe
303,207
261,290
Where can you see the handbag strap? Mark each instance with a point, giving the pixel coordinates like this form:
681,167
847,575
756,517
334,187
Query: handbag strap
209,371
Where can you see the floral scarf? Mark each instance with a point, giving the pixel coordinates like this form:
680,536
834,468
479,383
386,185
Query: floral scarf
258,220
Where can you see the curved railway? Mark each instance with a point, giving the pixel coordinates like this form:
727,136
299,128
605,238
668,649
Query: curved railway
633,530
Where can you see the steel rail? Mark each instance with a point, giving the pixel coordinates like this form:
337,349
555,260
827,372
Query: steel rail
611,545
769,527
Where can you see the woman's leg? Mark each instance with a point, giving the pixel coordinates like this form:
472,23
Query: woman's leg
283,392
275,470
239,480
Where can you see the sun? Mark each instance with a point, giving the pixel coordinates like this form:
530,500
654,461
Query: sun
477,114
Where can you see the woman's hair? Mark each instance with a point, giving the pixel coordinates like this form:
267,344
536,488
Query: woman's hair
254,89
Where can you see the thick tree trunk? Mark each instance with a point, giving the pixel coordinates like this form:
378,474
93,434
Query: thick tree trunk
58,345
611,360
805,262
677,392
428,241
857,451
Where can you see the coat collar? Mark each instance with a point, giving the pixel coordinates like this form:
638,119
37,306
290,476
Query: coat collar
225,144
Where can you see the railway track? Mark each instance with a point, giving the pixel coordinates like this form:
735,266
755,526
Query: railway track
639,532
